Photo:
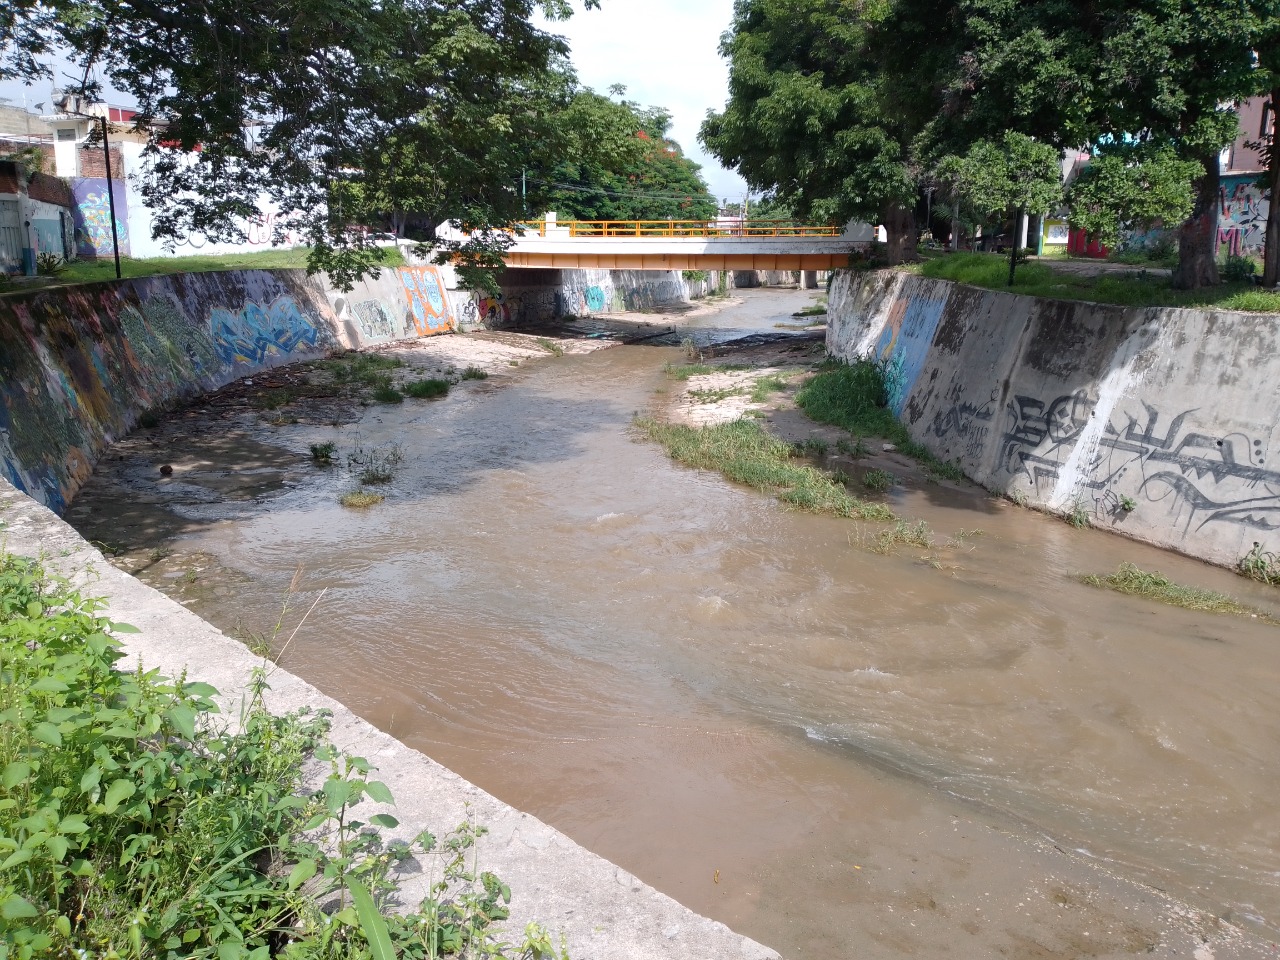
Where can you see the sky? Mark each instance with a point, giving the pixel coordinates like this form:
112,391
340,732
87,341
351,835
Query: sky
665,52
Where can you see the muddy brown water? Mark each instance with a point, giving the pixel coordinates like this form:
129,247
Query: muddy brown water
745,707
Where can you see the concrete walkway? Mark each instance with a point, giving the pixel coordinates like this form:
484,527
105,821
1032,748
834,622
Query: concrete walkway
603,912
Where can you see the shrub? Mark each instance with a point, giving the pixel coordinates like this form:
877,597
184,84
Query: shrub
50,264
474,373
428,389
322,453
1235,269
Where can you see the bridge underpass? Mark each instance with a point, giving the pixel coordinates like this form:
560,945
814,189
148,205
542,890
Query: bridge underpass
685,245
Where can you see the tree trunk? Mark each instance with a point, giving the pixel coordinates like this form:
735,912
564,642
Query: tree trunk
903,236
1198,236
1271,252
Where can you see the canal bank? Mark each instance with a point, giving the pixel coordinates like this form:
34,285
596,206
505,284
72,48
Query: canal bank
834,751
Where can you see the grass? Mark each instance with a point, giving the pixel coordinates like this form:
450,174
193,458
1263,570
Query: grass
766,386
1261,565
474,373
903,533
854,396
551,347
1038,279
93,271
1136,582
1078,514
375,465
813,310
714,395
361,369
878,480
322,453
385,393
685,371
427,389
743,451
359,499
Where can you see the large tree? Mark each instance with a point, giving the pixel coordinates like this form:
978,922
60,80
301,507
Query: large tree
623,165
318,104
812,118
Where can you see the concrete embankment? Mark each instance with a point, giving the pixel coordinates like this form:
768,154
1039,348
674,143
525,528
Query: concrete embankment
81,364
1157,423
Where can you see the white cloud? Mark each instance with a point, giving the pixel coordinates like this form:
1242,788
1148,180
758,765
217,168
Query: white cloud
667,54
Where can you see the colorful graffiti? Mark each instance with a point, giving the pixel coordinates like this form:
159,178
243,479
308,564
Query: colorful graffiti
428,301
903,345
254,333
376,321
92,216
493,311
1242,217
595,299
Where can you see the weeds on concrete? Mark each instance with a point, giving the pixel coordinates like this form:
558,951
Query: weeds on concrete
474,373
386,393
1129,579
855,396
1078,514
551,347
685,371
743,451
1261,565
375,465
322,453
878,480
766,386
852,448
430,388
714,395
359,499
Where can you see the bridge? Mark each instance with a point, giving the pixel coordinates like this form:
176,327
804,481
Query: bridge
685,245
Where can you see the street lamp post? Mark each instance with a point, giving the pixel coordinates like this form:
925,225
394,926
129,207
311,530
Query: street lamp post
111,196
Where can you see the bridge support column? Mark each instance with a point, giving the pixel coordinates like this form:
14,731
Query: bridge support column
809,280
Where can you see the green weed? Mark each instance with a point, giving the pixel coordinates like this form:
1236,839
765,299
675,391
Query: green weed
388,394
322,453
474,373
427,389
743,451
685,371
878,480
1078,514
903,533
766,386
551,347
1131,580
1261,565
375,465
711,395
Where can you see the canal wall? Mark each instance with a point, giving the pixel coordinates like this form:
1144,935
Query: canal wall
81,364
532,296
602,911
1162,424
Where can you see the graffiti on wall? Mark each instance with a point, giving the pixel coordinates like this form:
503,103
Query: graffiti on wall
903,345
92,216
1242,217
254,333
967,425
428,300
377,321
1201,477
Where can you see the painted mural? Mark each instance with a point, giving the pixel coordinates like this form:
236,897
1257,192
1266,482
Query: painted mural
428,299
81,364
92,216
903,345
1242,216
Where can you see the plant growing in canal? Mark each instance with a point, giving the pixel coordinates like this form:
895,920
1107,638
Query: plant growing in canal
377,464
474,373
1261,565
1128,504
1156,586
322,453
1078,514
878,480
688,370
427,389
767,385
855,448
552,348
359,499
745,452
902,533
386,393
142,824
713,395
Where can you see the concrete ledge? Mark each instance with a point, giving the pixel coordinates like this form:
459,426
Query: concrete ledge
603,912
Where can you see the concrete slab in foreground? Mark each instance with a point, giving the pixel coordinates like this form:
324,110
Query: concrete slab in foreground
603,912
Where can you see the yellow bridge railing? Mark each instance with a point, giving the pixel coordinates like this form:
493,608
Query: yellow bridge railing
683,228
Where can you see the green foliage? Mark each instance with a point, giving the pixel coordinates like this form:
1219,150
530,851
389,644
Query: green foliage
50,264
1237,269
385,393
550,346
474,373
1261,565
994,177
1131,184
360,499
430,388
322,453
1130,579
684,372
746,453
622,165
878,480
767,385
903,533
135,822
855,396
374,465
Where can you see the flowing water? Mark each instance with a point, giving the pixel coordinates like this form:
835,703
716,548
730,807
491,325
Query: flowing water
739,703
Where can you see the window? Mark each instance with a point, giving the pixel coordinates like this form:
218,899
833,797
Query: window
66,133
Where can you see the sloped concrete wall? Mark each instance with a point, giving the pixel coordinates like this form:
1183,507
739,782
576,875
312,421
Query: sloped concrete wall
80,364
1085,406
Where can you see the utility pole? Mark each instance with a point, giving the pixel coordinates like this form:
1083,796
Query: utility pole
111,195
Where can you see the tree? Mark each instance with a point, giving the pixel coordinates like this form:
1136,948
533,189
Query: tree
811,117
1015,174
324,106
1134,184
622,165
